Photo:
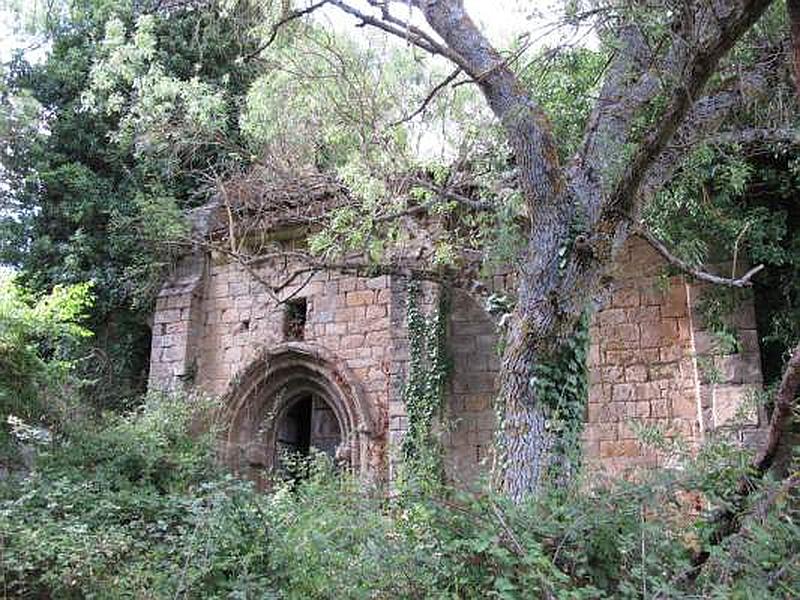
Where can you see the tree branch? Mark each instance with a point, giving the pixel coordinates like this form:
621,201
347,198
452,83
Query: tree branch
740,282
728,521
525,122
625,198
289,17
438,88
781,412
793,12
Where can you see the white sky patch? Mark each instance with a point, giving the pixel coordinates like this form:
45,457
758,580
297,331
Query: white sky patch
502,21
13,37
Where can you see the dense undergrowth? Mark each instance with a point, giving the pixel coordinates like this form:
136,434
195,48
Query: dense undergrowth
136,507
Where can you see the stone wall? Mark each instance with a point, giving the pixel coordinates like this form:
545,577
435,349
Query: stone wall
646,359
649,359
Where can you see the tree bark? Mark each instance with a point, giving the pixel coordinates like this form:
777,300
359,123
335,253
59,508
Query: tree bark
523,442
793,12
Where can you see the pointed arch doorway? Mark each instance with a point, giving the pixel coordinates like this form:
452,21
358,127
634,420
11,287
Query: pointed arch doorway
290,401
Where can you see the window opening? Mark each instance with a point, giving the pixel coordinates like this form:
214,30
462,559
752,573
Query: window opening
295,323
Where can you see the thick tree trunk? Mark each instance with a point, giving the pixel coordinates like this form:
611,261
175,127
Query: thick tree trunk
522,449
793,11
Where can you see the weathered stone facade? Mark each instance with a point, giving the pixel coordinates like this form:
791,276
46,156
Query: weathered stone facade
337,344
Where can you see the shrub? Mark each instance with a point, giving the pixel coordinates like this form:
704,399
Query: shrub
37,337
136,507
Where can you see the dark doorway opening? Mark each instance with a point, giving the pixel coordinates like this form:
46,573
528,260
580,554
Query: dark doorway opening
309,422
294,434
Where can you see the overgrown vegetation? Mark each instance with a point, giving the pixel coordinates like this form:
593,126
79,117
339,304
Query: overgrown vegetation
423,393
140,111
136,507
40,340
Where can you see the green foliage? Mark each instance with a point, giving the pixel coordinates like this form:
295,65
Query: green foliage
38,342
731,206
135,507
103,144
563,387
565,84
423,393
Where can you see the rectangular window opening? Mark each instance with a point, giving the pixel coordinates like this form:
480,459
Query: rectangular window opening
295,319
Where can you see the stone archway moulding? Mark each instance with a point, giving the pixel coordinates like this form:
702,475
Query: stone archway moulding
263,392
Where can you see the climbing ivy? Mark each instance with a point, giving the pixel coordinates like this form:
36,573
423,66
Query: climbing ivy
561,386
423,394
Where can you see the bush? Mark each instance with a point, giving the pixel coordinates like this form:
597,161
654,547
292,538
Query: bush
37,342
137,508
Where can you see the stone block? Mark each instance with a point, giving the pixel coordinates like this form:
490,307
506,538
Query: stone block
601,431
599,393
675,304
647,391
664,333
378,311
652,295
167,316
238,288
684,407
671,354
734,404
642,314
636,373
748,340
660,408
612,374
179,301
610,316
173,354
627,332
353,341
353,313
623,392
619,448
376,283
624,298
360,298
347,284
477,402
243,301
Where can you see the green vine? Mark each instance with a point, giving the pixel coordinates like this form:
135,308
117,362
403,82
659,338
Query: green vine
423,394
561,386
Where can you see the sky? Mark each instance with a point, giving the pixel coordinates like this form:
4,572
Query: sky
501,20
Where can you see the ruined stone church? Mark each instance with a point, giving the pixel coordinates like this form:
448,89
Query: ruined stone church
322,361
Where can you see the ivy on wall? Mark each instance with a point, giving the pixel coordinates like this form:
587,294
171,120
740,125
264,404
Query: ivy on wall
423,394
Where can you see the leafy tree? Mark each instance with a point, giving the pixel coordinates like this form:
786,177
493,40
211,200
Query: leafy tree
563,197
556,201
82,205
38,342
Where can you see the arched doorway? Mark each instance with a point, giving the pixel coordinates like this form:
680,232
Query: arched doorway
308,422
290,401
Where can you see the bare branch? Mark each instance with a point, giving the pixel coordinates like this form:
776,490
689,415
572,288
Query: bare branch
438,88
288,18
740,282
402,30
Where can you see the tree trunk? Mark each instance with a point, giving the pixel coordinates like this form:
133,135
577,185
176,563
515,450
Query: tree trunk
523,444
